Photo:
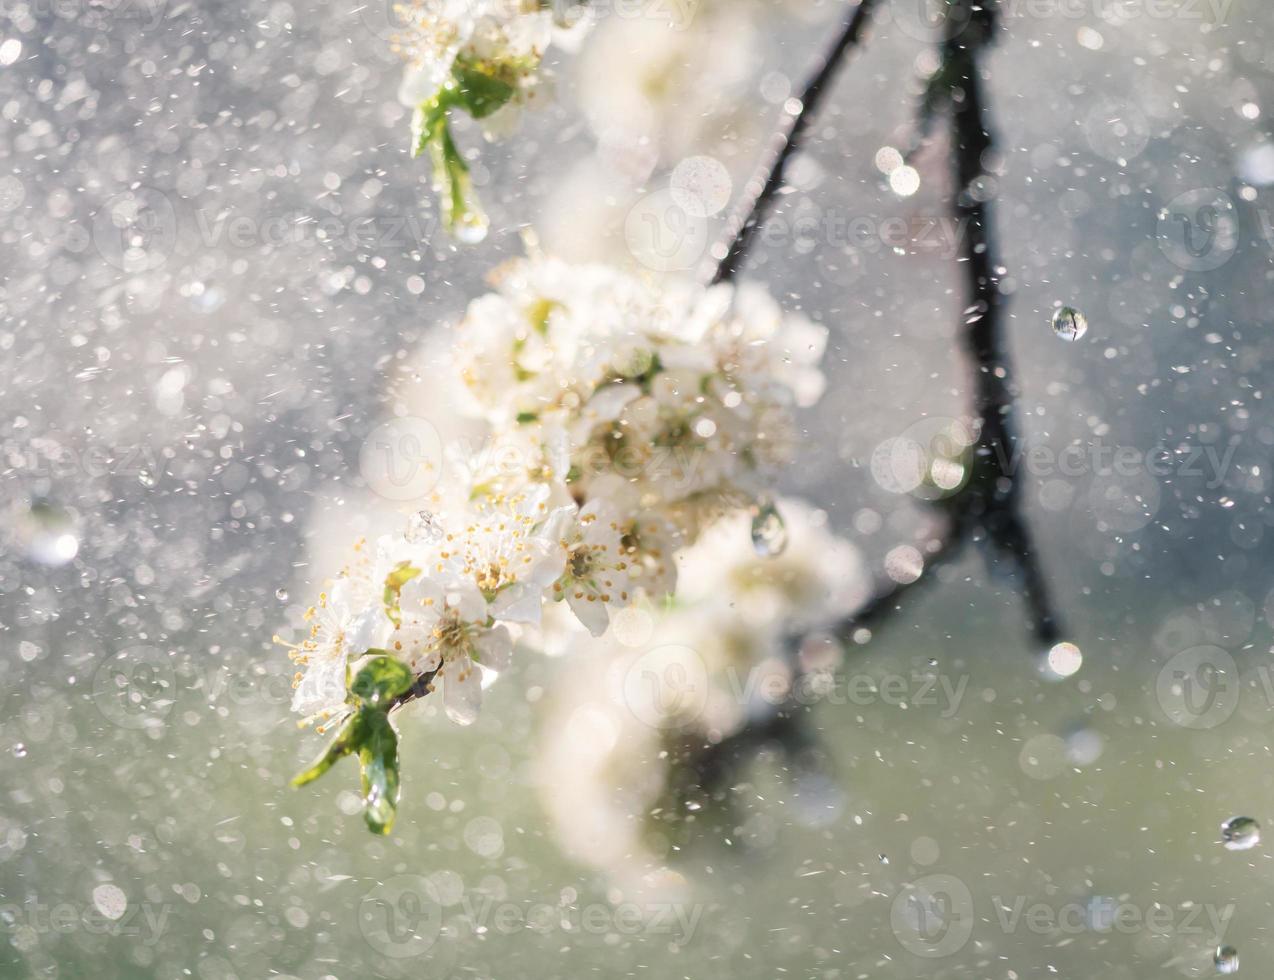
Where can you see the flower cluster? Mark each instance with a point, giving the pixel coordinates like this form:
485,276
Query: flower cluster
671,402
637,418
482,57
627,717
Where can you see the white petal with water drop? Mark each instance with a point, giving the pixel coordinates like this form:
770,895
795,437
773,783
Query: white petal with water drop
769,533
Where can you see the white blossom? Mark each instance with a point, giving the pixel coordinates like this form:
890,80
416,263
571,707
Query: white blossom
596,577
446,626
502,39
500,552
342,627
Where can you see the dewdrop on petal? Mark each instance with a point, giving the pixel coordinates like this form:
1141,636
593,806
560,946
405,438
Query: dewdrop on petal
769,533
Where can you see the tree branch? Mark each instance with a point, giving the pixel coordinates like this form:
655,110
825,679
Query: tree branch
419,689
991,501
728,253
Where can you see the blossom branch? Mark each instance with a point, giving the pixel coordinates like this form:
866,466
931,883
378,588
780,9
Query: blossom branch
727,255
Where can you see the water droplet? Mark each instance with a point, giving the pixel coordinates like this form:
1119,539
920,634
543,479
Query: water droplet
281,595
1240,833
20,751
1069,323
145,478
883,858
769,533
422,527
1063,660
379,809
110,901
471,227
1226,959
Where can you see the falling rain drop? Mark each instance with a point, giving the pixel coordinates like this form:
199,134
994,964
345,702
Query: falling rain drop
1226,959
471,227
769,533
20,751
1240,833
281,595
1069,323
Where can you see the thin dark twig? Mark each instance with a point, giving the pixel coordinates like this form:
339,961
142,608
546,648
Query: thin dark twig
991,502
422,686
989,505
728,254
994,500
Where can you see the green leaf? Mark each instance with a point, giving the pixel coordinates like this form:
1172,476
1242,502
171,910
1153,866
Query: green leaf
381,680
370,734
378,763
461,211
430,132
346,741
481,94
429,119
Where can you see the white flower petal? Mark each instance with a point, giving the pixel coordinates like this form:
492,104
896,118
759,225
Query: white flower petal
592,613
422,601
366,630
466,598
495,648
322,687
462,691
559,524
519,603
608,401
